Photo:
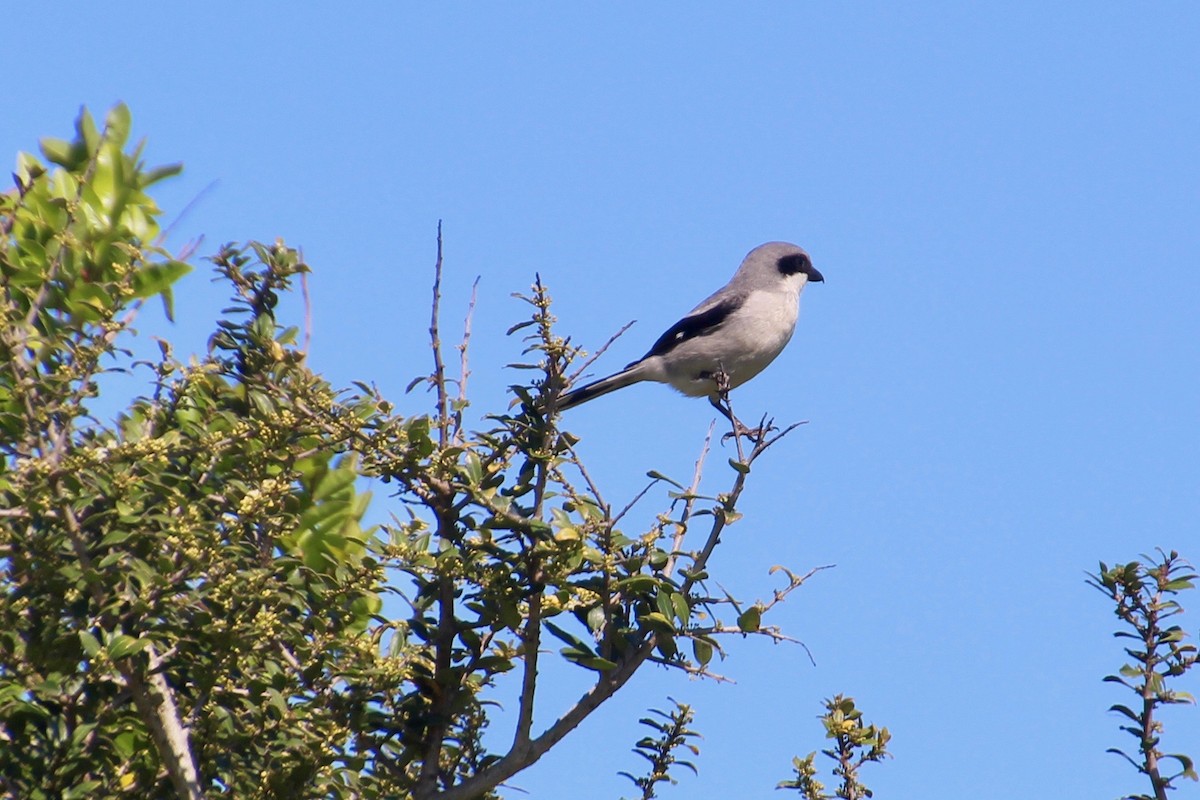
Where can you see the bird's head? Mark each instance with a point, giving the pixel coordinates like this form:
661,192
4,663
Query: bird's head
781,258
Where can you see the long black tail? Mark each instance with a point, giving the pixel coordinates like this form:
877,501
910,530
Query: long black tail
594,389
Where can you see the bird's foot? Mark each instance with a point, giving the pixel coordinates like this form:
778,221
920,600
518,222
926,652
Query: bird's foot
753,434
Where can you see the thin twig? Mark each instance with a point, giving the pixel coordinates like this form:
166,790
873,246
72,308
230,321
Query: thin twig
681,526
574,376
696,671
464,370
784,433
167,231
721,517
308,324
629,506
592,487
439,368
723,390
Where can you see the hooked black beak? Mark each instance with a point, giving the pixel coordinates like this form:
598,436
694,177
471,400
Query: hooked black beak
813,275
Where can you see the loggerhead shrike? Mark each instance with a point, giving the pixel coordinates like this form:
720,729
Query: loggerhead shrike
737,331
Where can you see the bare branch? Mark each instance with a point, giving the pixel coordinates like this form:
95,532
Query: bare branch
308,325
187,209
587,478
464,370
629,506
574,376
439,367
681,529
531,637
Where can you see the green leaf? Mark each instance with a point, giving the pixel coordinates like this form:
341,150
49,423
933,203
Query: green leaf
118,124
157,278
123,645
91,645
570,638
115,537
682,611
85,129
750,619
658,476
664,603
519,326
1187,764
665,643
472,467
657,622
82,731
637,583
597,663
741,467
59,151
703,651
1125,711
595,619
83,789
159,173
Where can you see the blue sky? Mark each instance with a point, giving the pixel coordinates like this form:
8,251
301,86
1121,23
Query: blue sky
1000,372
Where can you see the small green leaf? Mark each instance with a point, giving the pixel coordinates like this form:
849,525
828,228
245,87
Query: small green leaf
637,583
115,537
123,645
1125,711
657,622
157,278
472,467
569,638
666,645
58,151
91,645
597,663
118,124
595,619
750,620
519,326
658,476
664,603
682,611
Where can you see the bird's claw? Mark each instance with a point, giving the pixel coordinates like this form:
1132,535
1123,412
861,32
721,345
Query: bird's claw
754,434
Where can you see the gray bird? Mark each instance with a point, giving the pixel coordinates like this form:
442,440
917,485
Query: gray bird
737,331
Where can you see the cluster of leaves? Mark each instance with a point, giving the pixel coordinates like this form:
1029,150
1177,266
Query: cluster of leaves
855,745
186,591
1143,596
673,734
190,603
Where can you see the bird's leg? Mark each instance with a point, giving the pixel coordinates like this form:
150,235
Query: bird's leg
720,401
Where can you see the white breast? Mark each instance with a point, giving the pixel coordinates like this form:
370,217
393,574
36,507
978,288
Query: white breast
746,343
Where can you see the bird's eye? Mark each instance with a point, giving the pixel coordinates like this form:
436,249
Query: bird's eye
793,263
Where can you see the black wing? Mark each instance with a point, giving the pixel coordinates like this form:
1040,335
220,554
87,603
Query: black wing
693,325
